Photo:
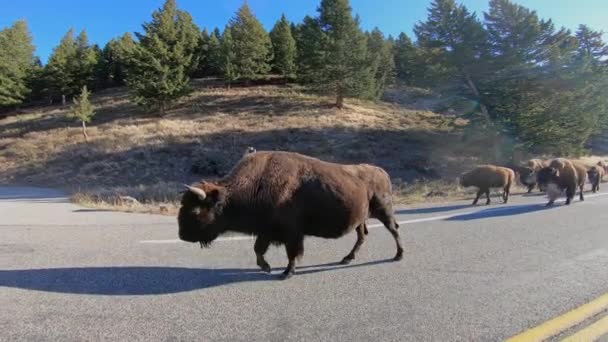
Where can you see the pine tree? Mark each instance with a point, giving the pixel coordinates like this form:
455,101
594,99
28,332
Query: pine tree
381,61
202,52
35,81
309,57
454,41
86,60
59,71
284,46
83,110
537,88
160,65
592,49
252,46
214,61
344,70
16,63
228,55
406,66
114,59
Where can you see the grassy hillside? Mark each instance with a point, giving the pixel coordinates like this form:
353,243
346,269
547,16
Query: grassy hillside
147,157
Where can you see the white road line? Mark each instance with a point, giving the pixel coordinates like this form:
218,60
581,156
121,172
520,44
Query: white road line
377,225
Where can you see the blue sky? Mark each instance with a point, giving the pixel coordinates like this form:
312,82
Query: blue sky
49,20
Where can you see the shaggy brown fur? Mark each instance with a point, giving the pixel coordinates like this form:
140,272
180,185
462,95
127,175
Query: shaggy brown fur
485,177
527,174
603,165
280,197
596,176
565,175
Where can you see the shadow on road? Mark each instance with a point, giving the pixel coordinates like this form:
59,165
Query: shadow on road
143,280
499,212
431,210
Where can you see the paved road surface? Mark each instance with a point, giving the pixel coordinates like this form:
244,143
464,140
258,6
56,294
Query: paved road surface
469,274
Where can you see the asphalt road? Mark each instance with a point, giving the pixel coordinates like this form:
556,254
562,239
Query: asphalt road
468,274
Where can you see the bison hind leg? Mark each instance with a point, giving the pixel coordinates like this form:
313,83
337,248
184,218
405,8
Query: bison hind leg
294,249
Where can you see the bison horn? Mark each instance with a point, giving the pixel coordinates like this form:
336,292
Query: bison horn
197,191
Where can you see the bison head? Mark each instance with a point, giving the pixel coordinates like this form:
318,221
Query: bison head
464,180
547,175
527,176
200,216
593,174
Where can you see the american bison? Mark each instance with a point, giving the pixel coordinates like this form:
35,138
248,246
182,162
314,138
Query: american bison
596,176
563,174
281,197
485,177
527,174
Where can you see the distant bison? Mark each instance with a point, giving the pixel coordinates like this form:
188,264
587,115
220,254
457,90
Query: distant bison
528,173
603,165
281,197
596,176
563,174
485,177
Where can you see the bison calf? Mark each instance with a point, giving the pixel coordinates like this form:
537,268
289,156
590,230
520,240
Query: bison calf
485,177
281,197
596,176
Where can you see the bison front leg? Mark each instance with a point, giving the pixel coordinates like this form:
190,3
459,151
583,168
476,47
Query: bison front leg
260,247
488,196
294,249
479,192
360,239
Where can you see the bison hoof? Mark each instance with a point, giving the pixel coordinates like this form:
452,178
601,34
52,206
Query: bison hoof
398,257
286,275
346,261
265,267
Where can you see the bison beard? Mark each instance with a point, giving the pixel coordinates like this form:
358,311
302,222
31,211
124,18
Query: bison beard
281,197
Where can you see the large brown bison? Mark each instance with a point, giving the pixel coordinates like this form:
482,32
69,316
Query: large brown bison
281,197
563,174
485,177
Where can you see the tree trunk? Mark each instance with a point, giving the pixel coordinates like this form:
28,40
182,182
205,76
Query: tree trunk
229,84
161,109
339,97
473,88
84,131
63,100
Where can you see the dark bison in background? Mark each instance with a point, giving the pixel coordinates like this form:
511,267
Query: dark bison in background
563,174
280,197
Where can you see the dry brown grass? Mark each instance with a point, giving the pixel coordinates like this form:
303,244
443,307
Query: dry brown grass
147,157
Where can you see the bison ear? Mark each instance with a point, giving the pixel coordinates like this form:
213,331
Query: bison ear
218,195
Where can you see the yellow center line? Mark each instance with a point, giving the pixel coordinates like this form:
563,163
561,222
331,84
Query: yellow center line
590,333
563,322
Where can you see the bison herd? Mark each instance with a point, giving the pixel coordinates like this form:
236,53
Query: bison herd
550,176
281,197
